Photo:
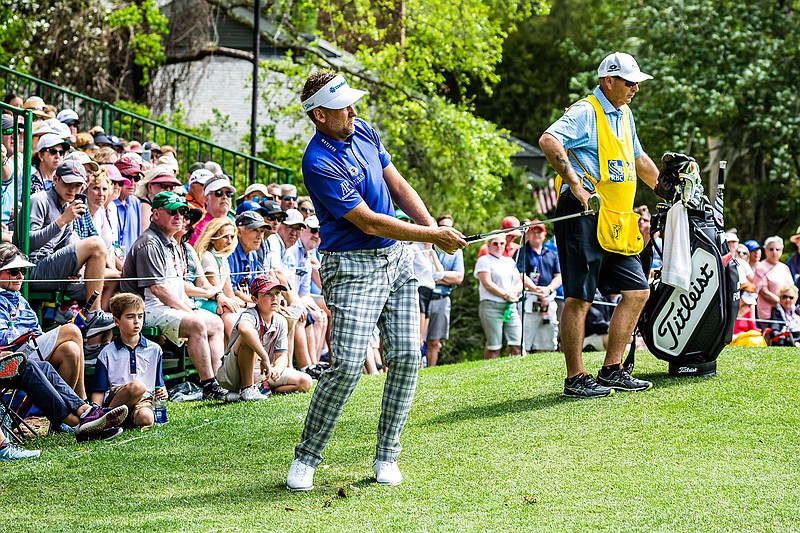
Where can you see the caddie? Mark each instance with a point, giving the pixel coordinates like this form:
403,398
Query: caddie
595,149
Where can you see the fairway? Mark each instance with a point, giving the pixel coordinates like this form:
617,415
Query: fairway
489,446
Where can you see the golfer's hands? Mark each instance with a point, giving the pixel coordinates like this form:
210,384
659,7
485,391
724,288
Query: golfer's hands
448,239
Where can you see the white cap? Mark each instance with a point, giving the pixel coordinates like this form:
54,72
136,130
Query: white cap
83,159
200,176
49,140
67,115
312,221
622,65
336,94
294,218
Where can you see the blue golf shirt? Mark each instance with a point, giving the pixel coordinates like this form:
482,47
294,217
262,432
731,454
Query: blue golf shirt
339,176
241,262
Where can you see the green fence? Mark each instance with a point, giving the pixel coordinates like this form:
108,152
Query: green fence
131,126
17,142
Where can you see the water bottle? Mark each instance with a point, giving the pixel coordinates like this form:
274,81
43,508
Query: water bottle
159,408
507,312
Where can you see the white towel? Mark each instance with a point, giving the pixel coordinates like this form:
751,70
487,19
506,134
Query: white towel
677,266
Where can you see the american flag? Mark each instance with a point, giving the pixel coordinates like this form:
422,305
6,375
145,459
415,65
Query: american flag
545,198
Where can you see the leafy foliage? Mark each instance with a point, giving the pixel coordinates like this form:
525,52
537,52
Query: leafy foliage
146,26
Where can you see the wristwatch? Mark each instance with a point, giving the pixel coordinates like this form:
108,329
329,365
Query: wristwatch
216,296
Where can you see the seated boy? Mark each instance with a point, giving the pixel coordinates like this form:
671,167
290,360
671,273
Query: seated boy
260,333
128,370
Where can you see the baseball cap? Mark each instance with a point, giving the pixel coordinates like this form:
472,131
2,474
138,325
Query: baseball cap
265,283
150,145
294,218
201,176
169,161
135,147
83,159
115,175
161,174
113,140
216,183
17,262
170,201
272,207
312,222
8,122
48,141
41,127
752,245
130,165
622,65
101,138
251,219
335,94
400,214
71,171
257,187
249,205
536,224
510,222
67,115
166,177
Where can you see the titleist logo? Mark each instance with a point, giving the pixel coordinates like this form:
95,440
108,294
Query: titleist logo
677,320
679,313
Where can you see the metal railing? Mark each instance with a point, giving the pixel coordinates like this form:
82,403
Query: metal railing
16,164
128,125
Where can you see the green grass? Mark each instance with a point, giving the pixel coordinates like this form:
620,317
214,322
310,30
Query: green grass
490,446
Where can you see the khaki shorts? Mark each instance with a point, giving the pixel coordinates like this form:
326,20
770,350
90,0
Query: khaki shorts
228,374
283,379
144,403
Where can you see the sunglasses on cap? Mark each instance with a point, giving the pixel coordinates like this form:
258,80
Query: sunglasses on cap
307,210
627,83
14,272
54,151
287,198
220,193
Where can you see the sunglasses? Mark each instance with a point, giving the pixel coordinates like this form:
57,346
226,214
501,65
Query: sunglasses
292,198
313,231
276,218
14,272
9,131
220,193
628,83
497,244
54,151
307,210
74,123
174,212
783,296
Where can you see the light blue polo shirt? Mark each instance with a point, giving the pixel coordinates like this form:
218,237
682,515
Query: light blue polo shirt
339,176
577,131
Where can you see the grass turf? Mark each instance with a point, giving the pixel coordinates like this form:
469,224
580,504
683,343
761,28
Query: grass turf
489,446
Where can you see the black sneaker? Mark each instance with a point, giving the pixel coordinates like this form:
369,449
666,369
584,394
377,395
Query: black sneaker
622,380
217,392
105,434
583,386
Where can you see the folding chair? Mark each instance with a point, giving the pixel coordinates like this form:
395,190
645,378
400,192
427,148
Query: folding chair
14,420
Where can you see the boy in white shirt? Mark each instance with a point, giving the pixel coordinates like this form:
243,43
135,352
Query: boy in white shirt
128,370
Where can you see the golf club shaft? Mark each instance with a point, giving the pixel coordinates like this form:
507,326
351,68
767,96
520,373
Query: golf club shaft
484,236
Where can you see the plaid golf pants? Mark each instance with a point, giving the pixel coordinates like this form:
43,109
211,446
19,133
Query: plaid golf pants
363,288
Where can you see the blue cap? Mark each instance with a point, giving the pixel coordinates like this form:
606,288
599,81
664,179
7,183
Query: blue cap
752,245
249,205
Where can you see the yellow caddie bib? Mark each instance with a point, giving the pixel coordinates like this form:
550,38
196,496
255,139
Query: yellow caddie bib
617,224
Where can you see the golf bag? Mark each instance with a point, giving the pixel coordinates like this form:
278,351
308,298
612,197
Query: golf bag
690,329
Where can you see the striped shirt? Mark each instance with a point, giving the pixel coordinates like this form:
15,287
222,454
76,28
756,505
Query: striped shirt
577,131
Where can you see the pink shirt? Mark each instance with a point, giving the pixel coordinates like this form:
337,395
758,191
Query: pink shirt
773,278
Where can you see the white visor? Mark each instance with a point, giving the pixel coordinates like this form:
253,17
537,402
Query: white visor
336,94
17,262
749,298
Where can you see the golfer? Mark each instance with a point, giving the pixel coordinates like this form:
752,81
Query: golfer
367,276
595,149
